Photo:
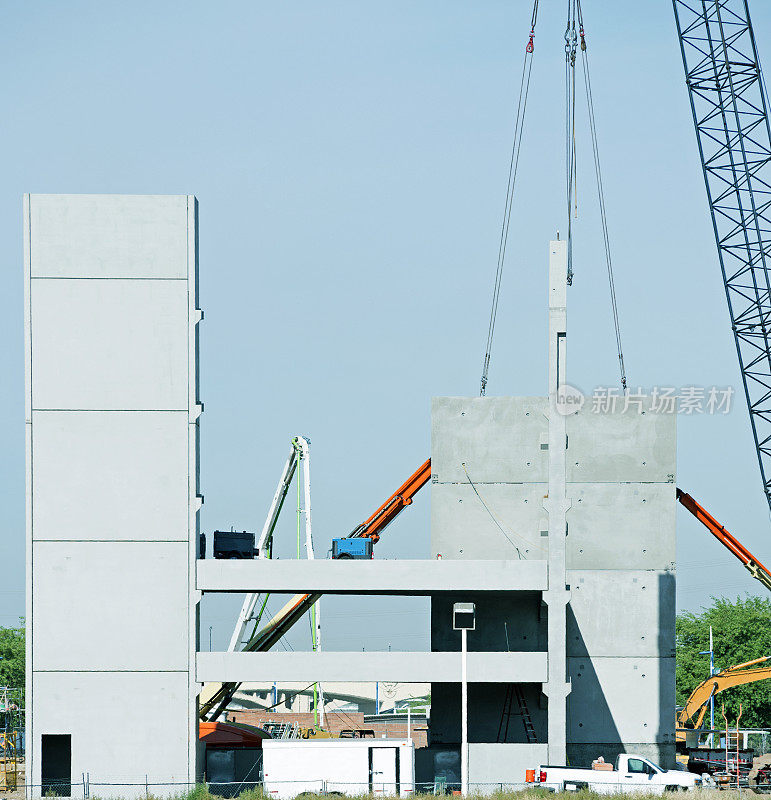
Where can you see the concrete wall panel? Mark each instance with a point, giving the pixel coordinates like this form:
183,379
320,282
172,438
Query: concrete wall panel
132,467
621,446
131,719
110,345
466,524
143,583
621,526
489,765
498,438
645,600
109,236
621,699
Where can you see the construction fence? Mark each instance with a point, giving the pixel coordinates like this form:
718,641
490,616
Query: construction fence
105,790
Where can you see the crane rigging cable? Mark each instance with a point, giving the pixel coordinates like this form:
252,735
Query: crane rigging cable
524,89
575,39
571,39
600,197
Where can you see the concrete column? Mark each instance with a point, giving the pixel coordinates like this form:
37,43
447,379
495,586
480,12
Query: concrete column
556,504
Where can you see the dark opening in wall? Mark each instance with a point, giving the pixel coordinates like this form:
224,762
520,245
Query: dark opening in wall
56,764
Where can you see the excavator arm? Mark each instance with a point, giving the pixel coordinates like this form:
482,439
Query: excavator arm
695,708
215,697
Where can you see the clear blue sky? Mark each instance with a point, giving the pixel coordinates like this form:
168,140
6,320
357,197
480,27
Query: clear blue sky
350,162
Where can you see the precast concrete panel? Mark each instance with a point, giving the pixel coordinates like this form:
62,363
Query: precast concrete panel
622,445
112,414
628,613
109,236
72,632
123,727
99,454
621,526
491,765
110,344
621,699
507,519
498,439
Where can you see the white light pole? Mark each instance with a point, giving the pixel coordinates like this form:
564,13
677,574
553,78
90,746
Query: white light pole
463,620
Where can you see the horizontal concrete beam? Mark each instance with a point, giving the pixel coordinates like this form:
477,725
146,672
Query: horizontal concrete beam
396,577
344,667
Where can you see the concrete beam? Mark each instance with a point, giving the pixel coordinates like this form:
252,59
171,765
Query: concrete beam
398,667
401,577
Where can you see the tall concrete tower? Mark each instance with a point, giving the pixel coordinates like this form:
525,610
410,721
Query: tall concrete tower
112,414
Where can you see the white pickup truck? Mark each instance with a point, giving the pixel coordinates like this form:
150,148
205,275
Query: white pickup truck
632,774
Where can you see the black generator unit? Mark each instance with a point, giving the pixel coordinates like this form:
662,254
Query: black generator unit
234,544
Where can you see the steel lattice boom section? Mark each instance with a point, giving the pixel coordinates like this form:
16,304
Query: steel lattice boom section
731,119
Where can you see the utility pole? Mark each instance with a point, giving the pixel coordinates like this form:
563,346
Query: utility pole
711,654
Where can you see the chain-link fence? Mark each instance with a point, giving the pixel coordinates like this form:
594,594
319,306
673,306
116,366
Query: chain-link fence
88,789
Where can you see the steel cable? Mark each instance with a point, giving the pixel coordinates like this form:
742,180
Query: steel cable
524,89
601,197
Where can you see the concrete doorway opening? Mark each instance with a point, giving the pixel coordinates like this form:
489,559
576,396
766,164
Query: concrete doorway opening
56,764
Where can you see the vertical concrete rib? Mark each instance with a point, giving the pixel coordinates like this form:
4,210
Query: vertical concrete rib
557,504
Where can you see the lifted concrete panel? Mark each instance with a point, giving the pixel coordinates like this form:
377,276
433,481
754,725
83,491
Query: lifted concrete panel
406,577
498,438
350,666
613,447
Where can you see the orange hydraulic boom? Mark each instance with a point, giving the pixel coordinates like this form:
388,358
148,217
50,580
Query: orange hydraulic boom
387,513
753,565
215,697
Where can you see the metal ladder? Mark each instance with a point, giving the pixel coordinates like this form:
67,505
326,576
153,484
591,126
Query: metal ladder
515,690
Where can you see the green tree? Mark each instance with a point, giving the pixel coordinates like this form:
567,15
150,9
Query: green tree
741,632
12,656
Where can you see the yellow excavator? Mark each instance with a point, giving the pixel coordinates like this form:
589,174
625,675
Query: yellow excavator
692,714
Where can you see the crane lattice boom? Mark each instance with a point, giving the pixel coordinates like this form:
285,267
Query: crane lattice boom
731,119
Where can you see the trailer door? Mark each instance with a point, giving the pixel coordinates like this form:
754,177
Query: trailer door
384,770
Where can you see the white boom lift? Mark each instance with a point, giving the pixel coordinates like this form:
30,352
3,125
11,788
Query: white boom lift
298,462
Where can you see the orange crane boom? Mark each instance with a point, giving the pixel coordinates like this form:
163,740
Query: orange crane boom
219,695
375,525
728,540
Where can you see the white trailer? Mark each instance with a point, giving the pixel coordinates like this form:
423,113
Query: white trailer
378,767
